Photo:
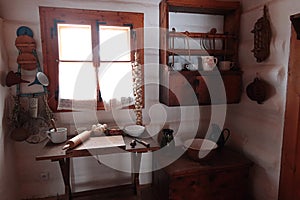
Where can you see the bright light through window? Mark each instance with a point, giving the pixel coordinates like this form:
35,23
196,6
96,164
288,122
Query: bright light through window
114,43
75,84
115,80
89,57
76,70
75,42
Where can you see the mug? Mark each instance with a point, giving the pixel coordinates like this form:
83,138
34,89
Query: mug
177,66
192,67
225,65
209,62
58,136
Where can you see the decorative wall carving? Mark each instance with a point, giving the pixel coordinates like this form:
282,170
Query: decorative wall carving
262,37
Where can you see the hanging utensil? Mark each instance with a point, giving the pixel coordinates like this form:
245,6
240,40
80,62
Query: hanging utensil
33,107
53,125
188,46
256,91
24,30
18,133
212,42
13,78
225,48
27,61
25,44
40,79
172,47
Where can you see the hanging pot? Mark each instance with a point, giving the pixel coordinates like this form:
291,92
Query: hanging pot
256,91
14,78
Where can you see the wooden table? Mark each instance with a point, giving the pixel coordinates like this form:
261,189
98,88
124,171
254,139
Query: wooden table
54,152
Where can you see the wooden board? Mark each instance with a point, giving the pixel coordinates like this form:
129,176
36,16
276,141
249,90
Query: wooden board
102,142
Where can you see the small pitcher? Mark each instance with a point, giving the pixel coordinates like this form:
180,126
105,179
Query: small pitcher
167,137
219,136
209,62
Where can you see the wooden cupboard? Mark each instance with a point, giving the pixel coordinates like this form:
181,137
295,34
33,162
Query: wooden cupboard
184,87
223,177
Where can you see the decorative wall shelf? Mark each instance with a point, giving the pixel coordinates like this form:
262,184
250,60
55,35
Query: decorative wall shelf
174,84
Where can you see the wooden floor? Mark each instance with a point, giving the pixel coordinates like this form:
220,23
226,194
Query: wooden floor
119,193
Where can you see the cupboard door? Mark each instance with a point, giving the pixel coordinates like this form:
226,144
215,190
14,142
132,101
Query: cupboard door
182,89
213,89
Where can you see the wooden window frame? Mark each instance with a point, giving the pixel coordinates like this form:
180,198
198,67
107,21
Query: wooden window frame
49,16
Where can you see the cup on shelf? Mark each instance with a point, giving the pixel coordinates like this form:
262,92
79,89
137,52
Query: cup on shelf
192,67
177,66
209,62
226,65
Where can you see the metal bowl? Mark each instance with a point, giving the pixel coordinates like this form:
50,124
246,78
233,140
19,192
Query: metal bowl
200,149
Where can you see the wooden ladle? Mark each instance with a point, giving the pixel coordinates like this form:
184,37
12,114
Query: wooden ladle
53,125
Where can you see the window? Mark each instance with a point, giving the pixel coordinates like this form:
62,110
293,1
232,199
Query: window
87,55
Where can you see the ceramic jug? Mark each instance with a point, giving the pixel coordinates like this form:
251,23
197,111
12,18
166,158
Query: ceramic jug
167,137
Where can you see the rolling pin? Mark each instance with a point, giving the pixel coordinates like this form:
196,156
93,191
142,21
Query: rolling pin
77,140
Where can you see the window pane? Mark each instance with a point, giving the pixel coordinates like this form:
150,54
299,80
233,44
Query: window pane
77,81
74,42
114,43
115,80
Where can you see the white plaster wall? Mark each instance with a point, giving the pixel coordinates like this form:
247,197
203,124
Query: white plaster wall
8,186
257,129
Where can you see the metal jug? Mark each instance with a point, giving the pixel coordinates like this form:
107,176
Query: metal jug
219,136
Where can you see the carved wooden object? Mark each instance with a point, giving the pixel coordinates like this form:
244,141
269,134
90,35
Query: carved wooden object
262,37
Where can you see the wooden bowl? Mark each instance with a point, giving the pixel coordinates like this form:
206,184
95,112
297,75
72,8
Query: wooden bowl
200,149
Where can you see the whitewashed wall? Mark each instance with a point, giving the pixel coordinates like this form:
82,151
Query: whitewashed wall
258,129
7,164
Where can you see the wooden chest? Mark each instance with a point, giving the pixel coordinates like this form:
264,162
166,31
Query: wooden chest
224,177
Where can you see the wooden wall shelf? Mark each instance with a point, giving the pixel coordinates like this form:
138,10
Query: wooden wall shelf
199,52
173,85
201,35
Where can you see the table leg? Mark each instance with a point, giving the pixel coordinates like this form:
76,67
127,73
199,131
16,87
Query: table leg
65,171
135,165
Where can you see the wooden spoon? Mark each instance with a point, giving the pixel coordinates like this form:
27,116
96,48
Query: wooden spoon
53,124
